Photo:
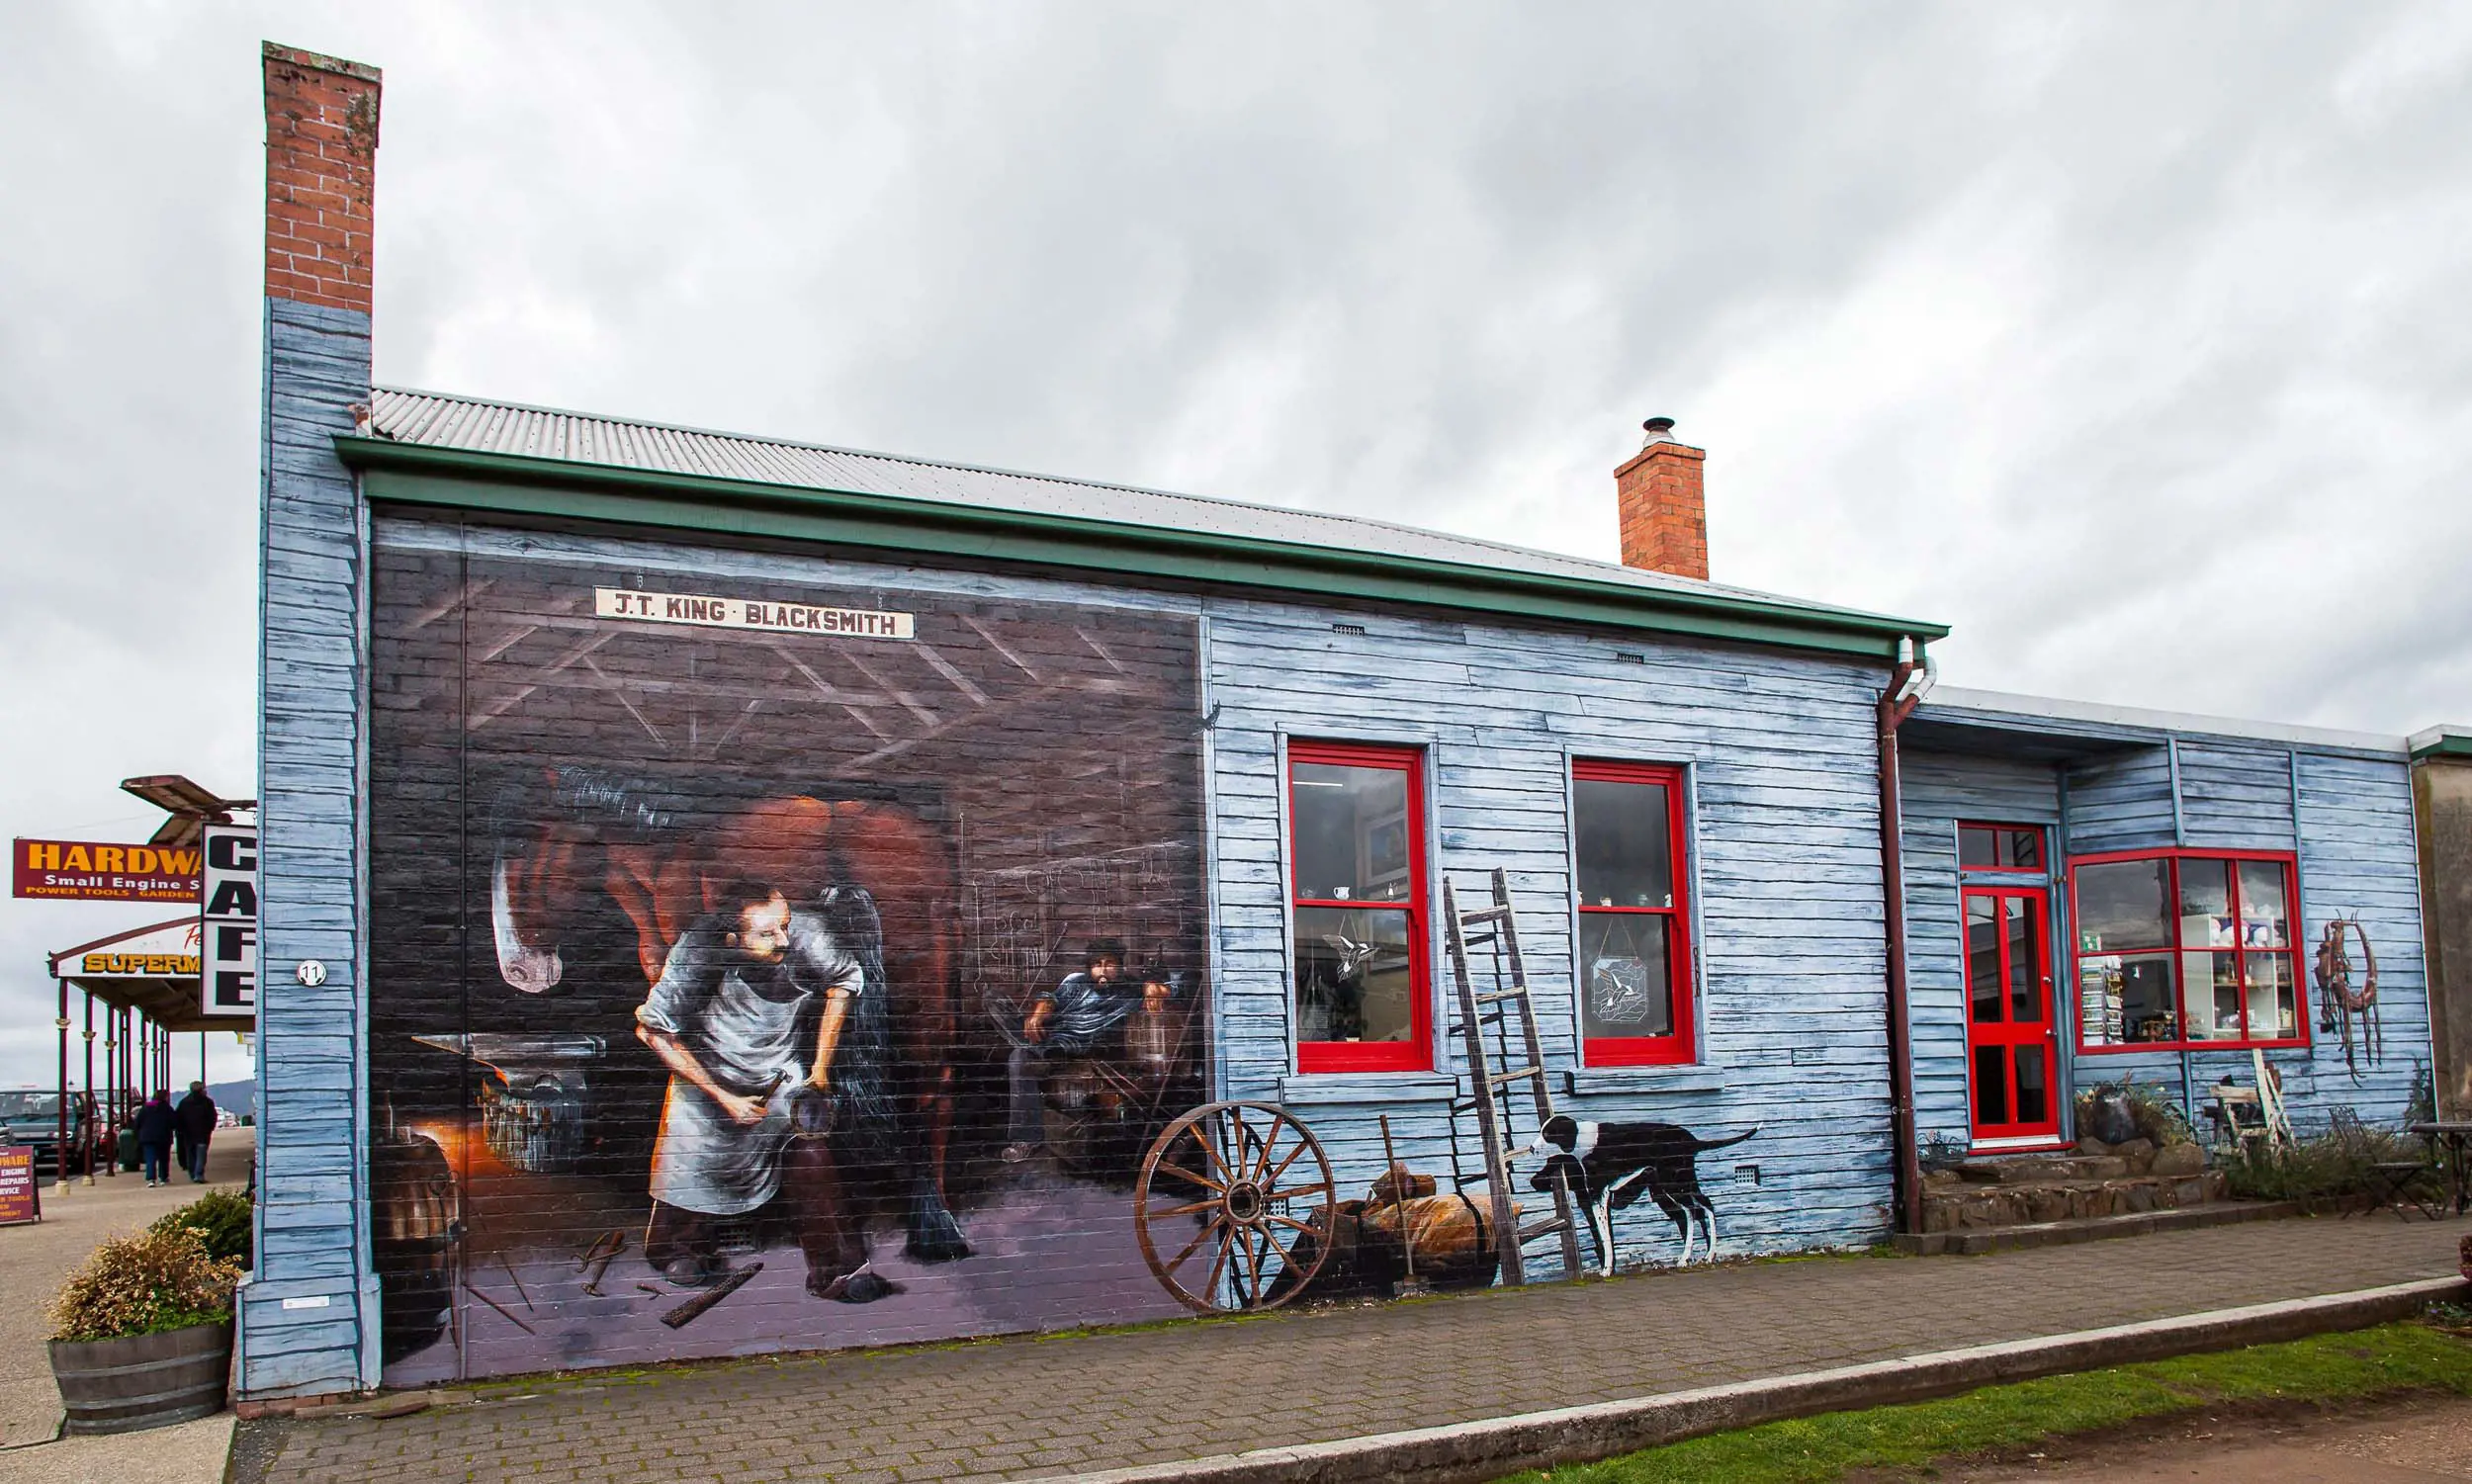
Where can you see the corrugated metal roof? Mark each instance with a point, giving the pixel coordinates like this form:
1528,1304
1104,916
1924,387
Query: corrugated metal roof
2001,710
435,420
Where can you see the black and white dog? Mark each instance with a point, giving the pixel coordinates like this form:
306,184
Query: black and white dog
1610,1166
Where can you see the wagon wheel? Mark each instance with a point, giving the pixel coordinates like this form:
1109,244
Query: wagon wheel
1256,1187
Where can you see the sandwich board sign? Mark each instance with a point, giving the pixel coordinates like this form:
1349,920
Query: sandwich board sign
20,1201
228,920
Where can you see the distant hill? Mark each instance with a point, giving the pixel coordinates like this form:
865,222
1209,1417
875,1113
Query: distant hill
239,1099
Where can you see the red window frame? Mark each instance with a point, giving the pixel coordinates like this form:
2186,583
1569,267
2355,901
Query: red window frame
1998,826
1416,1054
2176,950
1680,1045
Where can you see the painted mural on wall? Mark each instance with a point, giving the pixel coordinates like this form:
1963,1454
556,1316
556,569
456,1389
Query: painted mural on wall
762,966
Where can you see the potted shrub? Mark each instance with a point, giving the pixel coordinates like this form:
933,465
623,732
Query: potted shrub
143,1333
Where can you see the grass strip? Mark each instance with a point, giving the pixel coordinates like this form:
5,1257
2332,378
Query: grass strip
2325,1370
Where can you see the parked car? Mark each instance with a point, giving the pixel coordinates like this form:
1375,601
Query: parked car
32,1117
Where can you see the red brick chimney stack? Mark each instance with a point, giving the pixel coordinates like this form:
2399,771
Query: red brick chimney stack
322,172
1663,506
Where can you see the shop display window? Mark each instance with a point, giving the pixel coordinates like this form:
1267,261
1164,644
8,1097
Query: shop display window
1633,928
1357,861
2186,948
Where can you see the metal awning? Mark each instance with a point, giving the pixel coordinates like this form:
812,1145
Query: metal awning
153,970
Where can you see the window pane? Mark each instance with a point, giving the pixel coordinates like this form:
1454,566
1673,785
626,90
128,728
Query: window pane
2206,904
2025,962
1990,1084
2273,997
2265,906
2213,989
1999,847
1351,833
1352,981
2033,1101
2121,906
1625,964
1625,846
1983,958
2124,999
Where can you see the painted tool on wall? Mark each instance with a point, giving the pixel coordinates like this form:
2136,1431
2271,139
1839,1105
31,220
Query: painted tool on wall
2340,1005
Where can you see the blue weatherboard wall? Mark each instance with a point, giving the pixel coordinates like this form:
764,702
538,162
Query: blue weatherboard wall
1787,866
2347,813
1939,789
312,1214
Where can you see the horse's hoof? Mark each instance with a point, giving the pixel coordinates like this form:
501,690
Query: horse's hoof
935,1237
948,1247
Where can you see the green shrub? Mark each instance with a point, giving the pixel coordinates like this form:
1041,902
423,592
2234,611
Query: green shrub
2159,1118
2329,1166
222,1218
144,1285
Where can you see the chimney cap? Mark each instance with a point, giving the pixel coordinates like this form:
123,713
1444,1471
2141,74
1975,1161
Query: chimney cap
1660,430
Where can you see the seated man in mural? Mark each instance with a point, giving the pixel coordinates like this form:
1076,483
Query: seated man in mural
752,1100
1073,1021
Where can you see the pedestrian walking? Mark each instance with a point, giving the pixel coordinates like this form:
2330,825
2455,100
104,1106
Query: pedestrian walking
155,1123
195,1118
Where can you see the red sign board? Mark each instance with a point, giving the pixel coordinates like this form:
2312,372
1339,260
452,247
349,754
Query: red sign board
19,1202
92,871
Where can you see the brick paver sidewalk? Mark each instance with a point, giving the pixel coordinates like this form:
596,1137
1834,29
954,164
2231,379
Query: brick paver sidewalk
1017,1408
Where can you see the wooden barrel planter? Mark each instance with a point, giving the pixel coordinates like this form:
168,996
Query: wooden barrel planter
143,1381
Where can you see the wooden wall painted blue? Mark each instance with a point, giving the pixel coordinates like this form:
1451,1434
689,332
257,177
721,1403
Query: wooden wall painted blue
2236,796
2354,834
311,1224
1788,872
2120,801
1938,789
2359,859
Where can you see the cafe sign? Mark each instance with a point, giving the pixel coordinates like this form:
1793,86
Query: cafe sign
228,922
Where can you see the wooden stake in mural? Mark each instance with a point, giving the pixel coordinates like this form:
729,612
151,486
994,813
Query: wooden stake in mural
1495,928
1410,1286
695,1308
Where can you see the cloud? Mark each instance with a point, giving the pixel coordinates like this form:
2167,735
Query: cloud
2129,340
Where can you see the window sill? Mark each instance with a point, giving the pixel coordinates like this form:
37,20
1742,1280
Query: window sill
1306,1089
2131,1048
1590,1082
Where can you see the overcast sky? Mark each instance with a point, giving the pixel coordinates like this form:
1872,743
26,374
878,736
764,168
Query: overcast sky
2133,341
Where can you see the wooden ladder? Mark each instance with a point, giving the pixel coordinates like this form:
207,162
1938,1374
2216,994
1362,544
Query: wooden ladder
1491,1090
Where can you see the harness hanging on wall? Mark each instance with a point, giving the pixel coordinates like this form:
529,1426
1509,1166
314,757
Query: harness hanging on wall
2338,1004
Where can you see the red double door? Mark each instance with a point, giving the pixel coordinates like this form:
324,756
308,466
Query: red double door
2012,1050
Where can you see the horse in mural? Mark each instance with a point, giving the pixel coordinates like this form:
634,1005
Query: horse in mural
584,830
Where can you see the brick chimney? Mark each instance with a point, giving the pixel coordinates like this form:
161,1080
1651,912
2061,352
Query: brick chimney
1663,508
322,173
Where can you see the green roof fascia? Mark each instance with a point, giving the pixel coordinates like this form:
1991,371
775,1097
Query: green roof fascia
2442,741
525,486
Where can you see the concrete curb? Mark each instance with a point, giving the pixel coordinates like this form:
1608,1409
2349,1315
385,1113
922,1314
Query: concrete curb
1488,1449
